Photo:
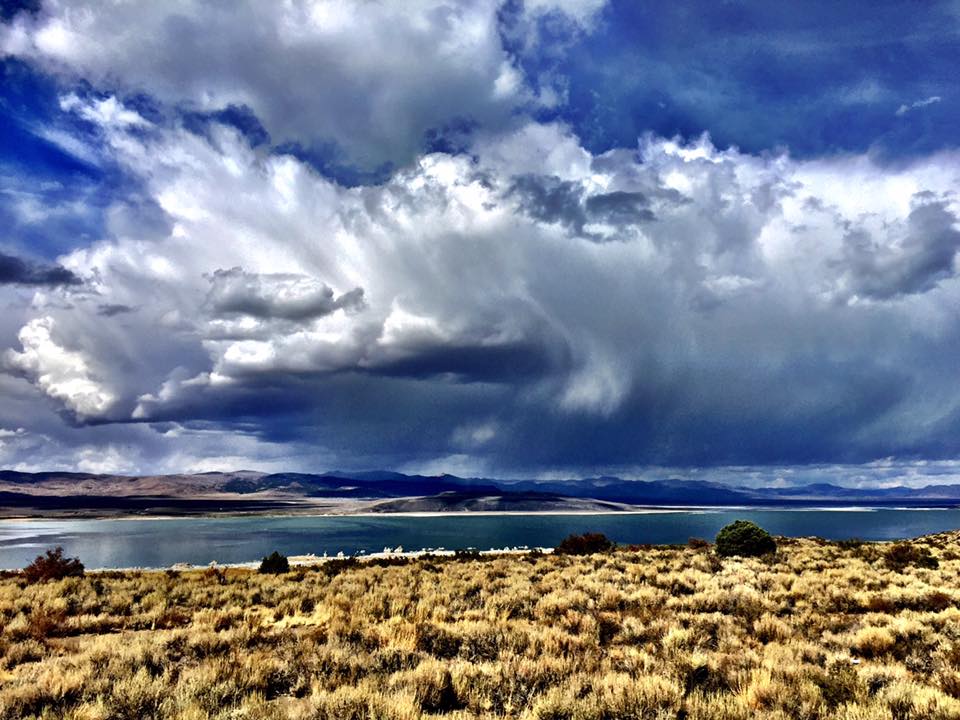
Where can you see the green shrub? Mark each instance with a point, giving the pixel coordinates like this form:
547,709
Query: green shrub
745,538
332,568
274,564
52,566
585,544
901,555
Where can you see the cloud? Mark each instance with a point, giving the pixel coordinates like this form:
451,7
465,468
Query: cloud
393,73
583,12
17,271
916,255
904,109
276,296
551,200
620,207
112,310
598,217
62,374
752,309
476,435
104,112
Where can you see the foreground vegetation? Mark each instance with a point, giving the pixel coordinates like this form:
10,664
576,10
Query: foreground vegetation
816,630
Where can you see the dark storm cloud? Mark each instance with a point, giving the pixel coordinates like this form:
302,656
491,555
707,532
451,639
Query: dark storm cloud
924,256
401,421
17,271
273,296
552,200
503,363
114,309
620,207
712,336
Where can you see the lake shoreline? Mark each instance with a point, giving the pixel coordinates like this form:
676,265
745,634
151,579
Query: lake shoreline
141,542
653,510
398,553
364,512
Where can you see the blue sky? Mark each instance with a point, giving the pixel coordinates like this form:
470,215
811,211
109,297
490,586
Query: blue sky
816,78
490,238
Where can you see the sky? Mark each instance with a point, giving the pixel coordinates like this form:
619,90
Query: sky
548,238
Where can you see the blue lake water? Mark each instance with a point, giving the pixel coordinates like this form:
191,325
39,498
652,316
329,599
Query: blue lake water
163,542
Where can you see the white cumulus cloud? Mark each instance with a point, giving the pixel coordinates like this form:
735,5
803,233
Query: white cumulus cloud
61,373
394,71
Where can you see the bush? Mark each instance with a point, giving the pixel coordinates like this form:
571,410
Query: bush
215,573
332,568
52,566
900,555
839,684
585,544
436,641
274,564
744,538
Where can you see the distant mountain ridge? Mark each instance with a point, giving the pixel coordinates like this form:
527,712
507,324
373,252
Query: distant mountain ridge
387,485
365,485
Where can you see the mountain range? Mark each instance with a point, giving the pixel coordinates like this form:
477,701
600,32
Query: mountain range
57,493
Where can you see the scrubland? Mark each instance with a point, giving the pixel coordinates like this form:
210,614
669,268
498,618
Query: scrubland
817,630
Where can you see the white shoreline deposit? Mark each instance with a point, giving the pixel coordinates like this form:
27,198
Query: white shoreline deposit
311,559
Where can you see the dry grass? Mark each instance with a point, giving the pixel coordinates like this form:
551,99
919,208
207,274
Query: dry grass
821,630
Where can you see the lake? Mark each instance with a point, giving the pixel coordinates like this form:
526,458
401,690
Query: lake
160,542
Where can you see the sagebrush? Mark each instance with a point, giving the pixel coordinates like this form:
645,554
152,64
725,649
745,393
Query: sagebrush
816,631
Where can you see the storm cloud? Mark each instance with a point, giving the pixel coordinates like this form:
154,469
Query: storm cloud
491,293
744,296
593,217
923,253
285,297
17,271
